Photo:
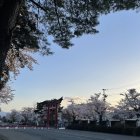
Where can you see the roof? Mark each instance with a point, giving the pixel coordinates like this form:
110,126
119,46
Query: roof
51,102
48,103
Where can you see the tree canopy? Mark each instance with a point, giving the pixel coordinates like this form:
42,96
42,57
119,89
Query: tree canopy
26,25
129,106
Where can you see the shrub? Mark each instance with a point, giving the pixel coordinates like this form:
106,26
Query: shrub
114,130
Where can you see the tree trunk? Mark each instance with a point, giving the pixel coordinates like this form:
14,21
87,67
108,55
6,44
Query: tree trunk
8,14
100,119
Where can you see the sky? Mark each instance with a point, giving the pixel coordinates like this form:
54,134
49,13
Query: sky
108,60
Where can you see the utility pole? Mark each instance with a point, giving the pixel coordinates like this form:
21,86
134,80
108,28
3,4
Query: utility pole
104,90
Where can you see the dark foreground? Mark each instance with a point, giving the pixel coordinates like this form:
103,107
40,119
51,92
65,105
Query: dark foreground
52,134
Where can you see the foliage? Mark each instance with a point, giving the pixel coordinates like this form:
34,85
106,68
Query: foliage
26,116
99,105
98,109
114,130
71,112
6,94
14,116
129,106
95,109
75,111
29,116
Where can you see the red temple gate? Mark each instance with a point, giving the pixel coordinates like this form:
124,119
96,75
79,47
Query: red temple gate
49,110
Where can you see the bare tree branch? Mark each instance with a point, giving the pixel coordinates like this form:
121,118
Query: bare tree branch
38,5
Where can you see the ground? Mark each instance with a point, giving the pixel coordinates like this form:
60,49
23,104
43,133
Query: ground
53,134
3,137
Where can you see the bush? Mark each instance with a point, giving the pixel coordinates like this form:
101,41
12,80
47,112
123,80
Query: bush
114,130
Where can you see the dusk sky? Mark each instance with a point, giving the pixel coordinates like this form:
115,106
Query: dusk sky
109,59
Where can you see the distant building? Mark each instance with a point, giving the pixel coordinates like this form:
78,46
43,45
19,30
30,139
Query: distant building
130,123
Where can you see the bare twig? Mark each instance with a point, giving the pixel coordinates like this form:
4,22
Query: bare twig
38,5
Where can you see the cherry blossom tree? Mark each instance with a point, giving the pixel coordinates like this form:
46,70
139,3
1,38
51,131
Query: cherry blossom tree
6,94
29,116
71,112
78,111
25,116
14,116
129,106
84,111
99,105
